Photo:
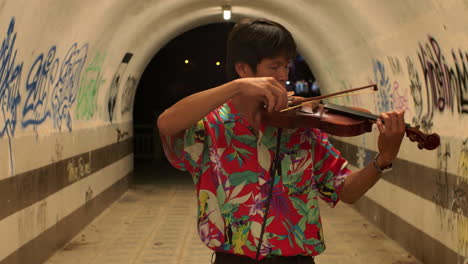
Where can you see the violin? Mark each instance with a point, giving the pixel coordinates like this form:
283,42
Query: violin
339,120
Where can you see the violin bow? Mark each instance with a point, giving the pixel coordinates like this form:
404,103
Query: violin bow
301,102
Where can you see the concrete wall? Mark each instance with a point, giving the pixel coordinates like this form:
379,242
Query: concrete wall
69,70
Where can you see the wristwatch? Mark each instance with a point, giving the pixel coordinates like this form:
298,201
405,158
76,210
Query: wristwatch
380,170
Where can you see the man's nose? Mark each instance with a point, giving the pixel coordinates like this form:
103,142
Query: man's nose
283,76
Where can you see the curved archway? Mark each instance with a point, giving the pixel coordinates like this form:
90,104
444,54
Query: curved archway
168,79
307,32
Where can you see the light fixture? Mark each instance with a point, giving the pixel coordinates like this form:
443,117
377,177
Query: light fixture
186,61
226,12
218,63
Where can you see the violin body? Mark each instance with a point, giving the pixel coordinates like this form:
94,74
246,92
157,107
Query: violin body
321,118
341,121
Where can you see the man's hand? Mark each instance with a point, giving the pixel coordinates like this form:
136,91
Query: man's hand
392,131
267,89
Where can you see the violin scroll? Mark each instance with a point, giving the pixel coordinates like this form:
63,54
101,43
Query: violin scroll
425,141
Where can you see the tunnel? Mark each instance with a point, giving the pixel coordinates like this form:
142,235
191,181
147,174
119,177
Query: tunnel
70,72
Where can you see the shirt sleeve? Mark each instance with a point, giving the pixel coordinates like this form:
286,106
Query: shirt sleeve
330,169
184,152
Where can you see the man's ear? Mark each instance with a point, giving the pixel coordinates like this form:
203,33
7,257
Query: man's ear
243,69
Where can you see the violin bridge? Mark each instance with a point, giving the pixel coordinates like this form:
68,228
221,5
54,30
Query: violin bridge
309,107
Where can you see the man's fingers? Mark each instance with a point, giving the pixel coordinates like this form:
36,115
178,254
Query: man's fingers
394,121
276,83
398,122
284,100
380,126
401,120
281,96
386,120
276,96
270,101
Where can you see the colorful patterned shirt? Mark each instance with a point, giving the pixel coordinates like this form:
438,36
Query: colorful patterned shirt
230,166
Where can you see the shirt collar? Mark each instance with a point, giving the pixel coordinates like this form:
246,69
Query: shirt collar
236,116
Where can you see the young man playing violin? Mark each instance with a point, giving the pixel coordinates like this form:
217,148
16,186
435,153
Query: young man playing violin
257,185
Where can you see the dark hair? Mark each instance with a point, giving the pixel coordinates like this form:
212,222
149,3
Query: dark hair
250,41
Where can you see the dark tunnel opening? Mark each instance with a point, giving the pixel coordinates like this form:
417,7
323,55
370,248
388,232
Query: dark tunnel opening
192,62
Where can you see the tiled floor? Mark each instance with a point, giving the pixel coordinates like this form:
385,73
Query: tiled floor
154,222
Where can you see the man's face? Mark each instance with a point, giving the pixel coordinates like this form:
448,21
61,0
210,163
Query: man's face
277,67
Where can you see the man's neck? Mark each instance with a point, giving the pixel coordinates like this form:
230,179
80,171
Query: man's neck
249,109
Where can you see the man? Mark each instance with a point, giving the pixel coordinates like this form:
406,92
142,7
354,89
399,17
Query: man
258,185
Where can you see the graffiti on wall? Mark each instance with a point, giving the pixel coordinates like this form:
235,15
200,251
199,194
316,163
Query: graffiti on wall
78,168
446,84
463,162
89,87
65,90
395,66
36,108
446,91
459,200
121,134
10,79
441,196
384,95
114,88
424,121
400,97
52,86
451,197
390,96
459,205
128,94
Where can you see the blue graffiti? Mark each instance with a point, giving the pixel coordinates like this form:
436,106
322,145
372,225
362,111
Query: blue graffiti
384,97
52,88
10,77
41,77
65,91
10,80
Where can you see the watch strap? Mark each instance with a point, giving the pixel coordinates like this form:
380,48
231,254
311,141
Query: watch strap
377,167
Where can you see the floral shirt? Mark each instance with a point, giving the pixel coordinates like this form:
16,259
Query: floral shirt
230,166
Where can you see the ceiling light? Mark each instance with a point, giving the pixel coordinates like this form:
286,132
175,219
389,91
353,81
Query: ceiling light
227,12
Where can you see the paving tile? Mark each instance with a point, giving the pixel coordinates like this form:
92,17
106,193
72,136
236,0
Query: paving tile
155,222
